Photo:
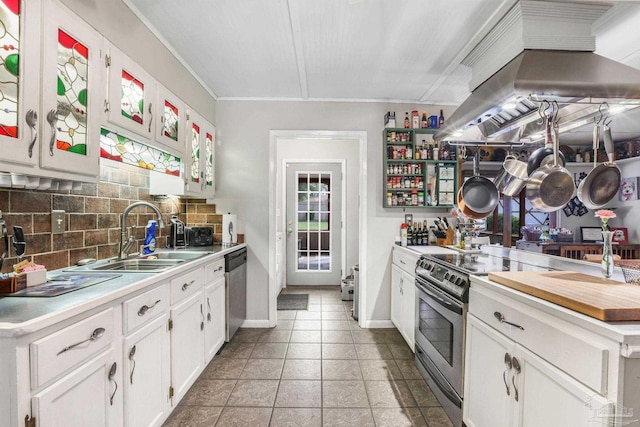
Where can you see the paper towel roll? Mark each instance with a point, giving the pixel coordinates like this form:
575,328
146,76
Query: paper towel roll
229,228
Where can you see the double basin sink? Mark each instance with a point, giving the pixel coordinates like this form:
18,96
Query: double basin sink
159,261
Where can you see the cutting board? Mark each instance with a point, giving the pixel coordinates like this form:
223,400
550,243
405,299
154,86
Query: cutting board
604,299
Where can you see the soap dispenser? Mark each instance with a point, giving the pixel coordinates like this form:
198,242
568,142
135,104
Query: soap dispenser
150,239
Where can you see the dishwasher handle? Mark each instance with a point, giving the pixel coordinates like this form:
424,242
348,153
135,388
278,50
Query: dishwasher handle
235,260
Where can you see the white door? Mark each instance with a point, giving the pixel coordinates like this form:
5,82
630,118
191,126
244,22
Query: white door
314,223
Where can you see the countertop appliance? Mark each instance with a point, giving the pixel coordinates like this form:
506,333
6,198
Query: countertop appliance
235,267
442,293
200,236
178,237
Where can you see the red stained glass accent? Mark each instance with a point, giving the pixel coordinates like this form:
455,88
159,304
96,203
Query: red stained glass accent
69,42
136,118
105,154
128,76
197,128
168,104
61,145
11,131
13,5
174,173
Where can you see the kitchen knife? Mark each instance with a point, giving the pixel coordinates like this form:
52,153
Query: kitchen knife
446,223
19,242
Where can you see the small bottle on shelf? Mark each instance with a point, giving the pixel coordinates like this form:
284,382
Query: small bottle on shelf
407,122
436,152
441,118
423,122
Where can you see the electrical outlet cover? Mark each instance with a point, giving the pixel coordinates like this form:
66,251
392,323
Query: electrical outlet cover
58,222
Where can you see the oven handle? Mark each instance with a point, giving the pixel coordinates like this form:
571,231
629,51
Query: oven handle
441,299
444,388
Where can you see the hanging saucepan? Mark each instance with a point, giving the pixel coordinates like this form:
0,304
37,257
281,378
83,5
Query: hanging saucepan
550,187
513,176
583,195
603,182
479,193
544,155
466,211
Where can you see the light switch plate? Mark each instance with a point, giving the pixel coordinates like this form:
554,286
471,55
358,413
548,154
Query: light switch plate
58,222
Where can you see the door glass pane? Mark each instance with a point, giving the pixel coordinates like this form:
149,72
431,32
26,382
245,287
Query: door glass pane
437,329
73,68
9,72
132,98
313,217
195,153
209,167
170,121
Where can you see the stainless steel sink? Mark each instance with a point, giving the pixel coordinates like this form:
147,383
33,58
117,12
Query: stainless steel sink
143,265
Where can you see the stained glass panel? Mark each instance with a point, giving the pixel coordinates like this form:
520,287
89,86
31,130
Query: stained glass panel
122,149
195,153
132,98
170,121
209,168
9,69
73,68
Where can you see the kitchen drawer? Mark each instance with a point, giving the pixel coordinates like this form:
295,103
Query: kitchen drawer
143,308
69,347
406,261
573,349
186,284
214,270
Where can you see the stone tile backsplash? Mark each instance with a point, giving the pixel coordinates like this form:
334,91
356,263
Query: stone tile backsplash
92,217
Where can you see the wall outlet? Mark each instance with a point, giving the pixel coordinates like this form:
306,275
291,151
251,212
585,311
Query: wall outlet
58,222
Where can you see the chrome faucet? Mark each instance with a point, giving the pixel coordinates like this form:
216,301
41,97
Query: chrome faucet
127,242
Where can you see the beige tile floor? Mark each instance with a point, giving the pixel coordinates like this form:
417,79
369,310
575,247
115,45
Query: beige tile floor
317,367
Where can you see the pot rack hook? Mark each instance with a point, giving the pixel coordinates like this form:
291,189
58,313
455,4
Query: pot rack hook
606,121
555,112
542,111
601,119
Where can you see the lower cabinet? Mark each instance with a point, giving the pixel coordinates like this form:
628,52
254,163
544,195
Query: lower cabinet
187,344
90,395
403,297
214,300
147,375
508,385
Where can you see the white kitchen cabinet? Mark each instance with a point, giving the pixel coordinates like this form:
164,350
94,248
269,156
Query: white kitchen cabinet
58,138
403,294
170,127
214,303
131,95
147,374
90,395
187,344
509,385
198,177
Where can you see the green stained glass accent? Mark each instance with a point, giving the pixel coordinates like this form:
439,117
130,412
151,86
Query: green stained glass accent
208,172
82,97
132,98
170,121
195,153
9,68
72,80
122,149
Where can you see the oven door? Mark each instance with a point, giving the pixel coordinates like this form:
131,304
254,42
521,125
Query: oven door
440,331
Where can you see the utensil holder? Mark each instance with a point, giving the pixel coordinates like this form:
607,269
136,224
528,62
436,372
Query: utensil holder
447,240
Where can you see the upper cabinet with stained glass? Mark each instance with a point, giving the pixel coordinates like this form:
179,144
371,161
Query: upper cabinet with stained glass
199,171
131,95
50,92
170,128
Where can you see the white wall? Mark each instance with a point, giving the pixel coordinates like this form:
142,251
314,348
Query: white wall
329,149
627,212
243,180
116,22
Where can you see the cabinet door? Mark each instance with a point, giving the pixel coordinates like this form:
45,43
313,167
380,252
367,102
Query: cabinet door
71,93
187,344
89,396
131,95
488,389
147,375
214,324
19,83
194,172
207,160
396,296
566,401
170,127
408,313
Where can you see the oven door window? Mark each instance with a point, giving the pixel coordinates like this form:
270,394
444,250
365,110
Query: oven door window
437,329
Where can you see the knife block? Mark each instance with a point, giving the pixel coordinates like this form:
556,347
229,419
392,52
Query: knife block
13,284
448,240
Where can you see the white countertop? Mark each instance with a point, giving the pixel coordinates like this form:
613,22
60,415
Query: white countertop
420,250
23,315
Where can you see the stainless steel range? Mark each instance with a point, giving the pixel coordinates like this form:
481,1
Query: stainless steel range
442,296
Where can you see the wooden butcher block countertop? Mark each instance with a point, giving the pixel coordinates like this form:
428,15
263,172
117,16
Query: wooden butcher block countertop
603,299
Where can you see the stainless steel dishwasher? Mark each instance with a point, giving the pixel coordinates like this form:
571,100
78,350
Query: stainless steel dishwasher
235,267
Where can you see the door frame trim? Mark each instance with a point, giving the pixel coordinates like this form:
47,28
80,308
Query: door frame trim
343,213
359,137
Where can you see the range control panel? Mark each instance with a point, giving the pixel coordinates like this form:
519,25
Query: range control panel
451,281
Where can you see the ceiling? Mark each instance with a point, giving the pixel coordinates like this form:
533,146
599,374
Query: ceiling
349,50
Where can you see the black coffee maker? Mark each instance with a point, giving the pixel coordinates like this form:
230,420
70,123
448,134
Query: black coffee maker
178,238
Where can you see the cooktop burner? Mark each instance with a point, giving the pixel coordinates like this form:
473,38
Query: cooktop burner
482,264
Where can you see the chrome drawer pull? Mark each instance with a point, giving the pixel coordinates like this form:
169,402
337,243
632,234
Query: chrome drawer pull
508,365
208,310
516,366
500,318
143,310
202,315
218,269
112,374
96,334
186,285
132,353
